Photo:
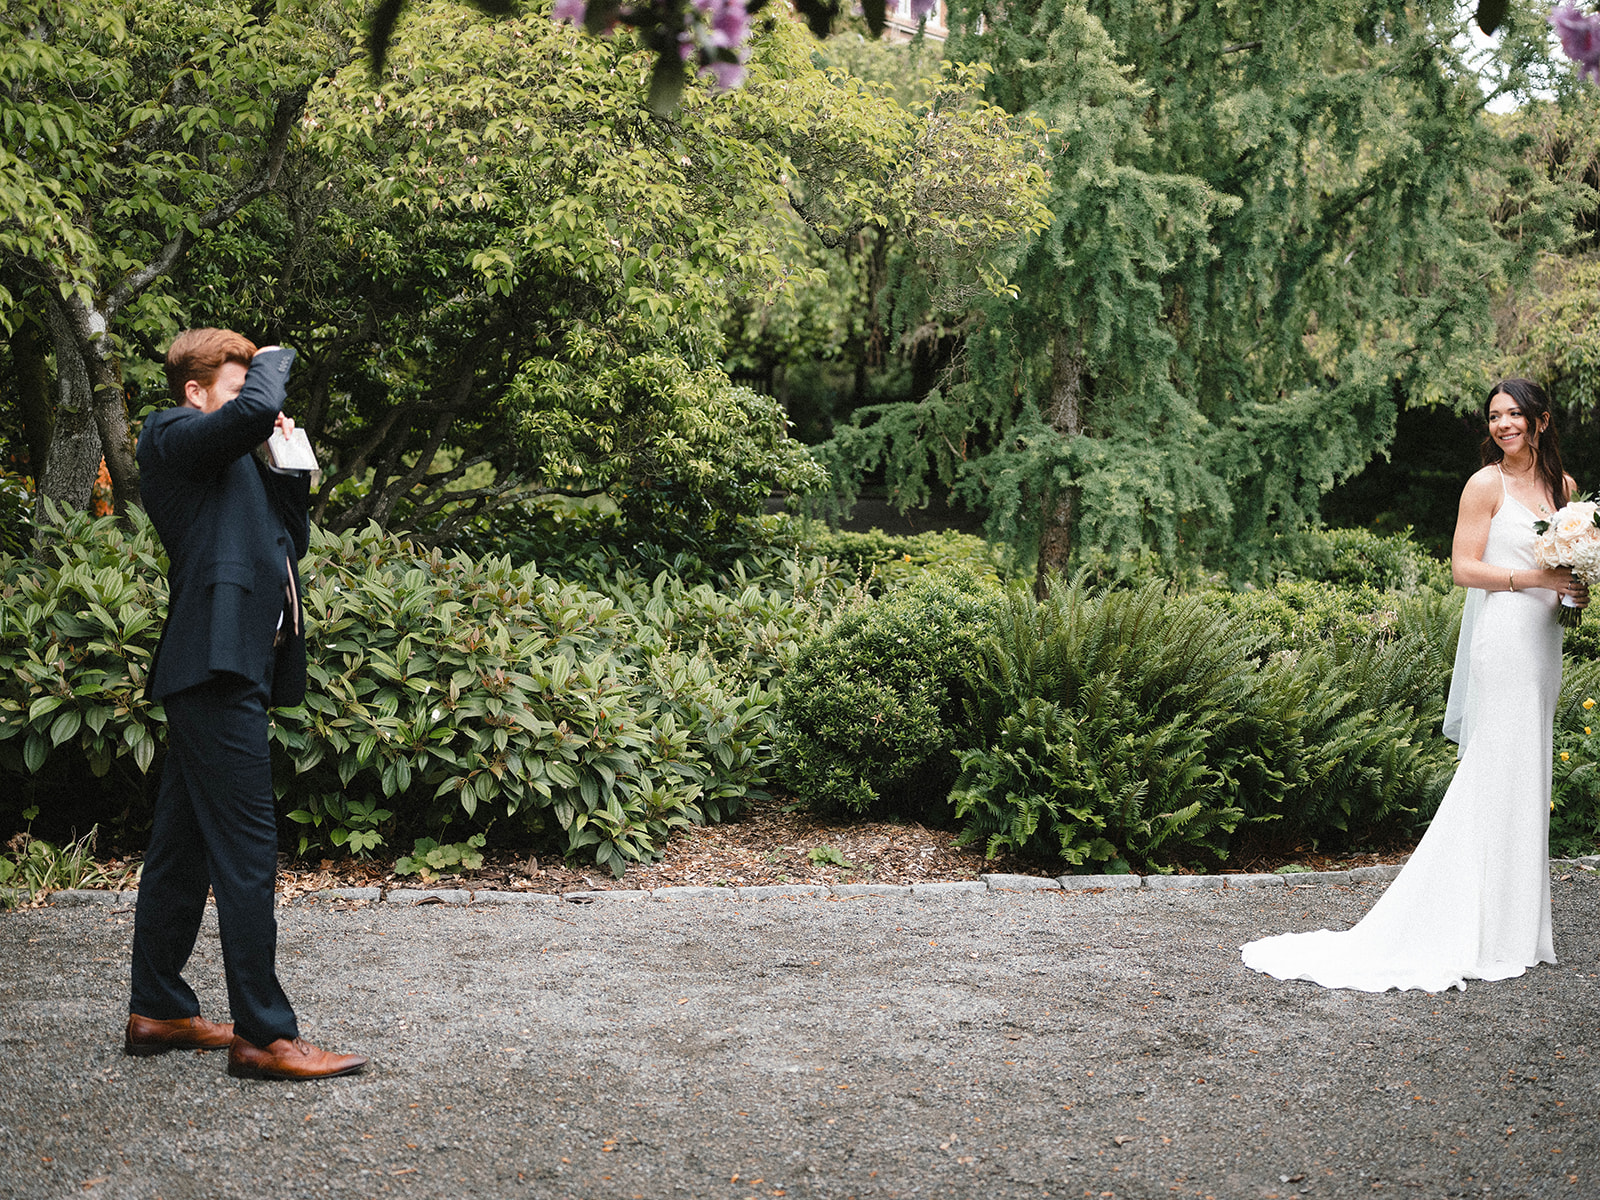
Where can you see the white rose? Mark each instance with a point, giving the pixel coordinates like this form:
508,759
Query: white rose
1586,557
1572,520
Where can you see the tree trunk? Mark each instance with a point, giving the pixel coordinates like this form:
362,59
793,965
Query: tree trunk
73,462
32,380
111,418
1064,412
90,383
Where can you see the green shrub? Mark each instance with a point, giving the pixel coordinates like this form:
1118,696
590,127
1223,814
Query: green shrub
1361,558
78,624
1582,644
1117,730
592,544
16,513
1362,756
31,867
1575,784
1295,614
885,561
1435,618
464,692
872,707
353,826
443,692
1144,727
430,860
751,625
680,484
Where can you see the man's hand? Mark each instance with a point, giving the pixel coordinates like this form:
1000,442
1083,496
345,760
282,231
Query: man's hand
284,424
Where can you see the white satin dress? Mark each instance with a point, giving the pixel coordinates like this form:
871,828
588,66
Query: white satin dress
1473,901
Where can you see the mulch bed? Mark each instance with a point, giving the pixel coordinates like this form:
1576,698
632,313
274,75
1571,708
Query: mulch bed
772,842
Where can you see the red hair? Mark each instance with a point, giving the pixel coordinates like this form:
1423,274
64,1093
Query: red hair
198,354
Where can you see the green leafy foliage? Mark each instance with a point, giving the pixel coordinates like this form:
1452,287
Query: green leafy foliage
956,177
430,860
78,624
444,692
1546,322
505,278
1575,783
686,457
543,271
547,267
1103,728
1115,728
1148,726
352,825
1583,641
827,856
1267,237
137,117
685,488
32,867
886,562
1361,752
474,692
873,705
16,514
1359,558
1305,613
129,130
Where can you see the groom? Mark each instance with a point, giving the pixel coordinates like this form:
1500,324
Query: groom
232,646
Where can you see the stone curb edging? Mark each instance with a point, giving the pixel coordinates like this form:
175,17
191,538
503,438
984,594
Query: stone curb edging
983,885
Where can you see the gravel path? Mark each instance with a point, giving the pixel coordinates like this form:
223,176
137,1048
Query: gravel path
995,1044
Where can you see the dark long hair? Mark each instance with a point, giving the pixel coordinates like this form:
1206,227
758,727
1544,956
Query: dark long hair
1546,446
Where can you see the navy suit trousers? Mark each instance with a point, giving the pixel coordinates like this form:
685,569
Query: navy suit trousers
215,827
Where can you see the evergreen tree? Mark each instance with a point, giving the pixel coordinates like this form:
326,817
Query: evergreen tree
1549,323
1263,243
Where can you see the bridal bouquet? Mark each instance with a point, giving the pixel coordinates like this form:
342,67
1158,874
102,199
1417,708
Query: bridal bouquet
1571,538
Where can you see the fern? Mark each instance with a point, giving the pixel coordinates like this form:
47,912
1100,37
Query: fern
1149,727
1107,729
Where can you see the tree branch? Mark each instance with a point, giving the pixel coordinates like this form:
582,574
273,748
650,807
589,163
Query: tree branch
286,115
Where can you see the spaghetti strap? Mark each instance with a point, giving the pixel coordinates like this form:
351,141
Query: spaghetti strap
1504,490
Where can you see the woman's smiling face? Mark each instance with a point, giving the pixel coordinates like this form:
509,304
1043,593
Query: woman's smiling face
1508,425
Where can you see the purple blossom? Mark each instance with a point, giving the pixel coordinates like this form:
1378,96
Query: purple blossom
712,32
717,30
923,9
727,74
1580,38
730,24
718,23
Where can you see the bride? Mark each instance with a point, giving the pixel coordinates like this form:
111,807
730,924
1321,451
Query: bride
1473,901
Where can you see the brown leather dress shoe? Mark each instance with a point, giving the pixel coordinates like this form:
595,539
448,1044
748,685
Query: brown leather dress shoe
288,1059
148,1036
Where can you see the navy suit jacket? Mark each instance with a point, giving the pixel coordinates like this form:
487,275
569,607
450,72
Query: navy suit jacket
233,531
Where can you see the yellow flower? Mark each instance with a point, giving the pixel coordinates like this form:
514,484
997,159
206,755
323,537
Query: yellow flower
1586,729
1588,703
1565,756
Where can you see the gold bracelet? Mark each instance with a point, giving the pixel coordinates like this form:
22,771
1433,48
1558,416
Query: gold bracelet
1511,581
